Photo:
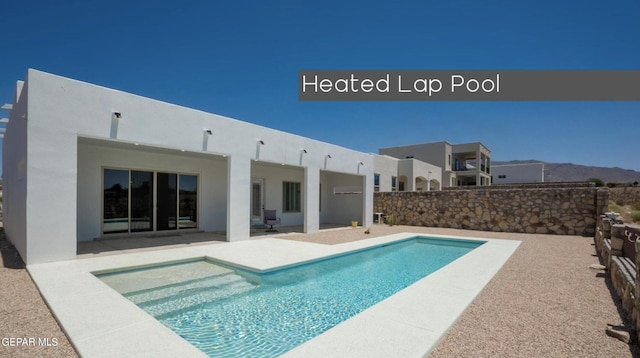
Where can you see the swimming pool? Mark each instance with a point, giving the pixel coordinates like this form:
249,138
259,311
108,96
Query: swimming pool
227,311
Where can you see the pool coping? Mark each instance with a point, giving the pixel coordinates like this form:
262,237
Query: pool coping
100,322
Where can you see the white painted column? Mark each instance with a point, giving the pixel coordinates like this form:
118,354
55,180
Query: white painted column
238,198
367,199
478,167
311,200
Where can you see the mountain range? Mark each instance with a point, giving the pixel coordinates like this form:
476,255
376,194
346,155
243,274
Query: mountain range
554,172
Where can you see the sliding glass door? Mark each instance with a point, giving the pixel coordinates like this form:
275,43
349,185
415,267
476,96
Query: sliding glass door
167,201
115,201
139,201
188,203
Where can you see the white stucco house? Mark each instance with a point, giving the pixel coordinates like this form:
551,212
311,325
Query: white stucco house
82,161
409,174
462,164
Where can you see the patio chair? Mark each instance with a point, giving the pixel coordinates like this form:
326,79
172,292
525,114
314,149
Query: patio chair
270,218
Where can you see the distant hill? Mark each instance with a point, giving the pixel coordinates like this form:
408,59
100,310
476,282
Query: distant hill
575,172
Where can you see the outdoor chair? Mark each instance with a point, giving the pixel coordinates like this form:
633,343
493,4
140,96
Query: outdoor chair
270,218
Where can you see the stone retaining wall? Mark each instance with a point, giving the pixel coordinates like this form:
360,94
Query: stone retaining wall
625,196
564,211
611,236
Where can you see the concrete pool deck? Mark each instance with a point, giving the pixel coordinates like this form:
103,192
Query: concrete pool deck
100,322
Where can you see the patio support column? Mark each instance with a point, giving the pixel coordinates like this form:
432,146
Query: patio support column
311,199
367,199
238,198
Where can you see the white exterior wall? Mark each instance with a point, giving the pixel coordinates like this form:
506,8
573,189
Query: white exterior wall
406,170
61,110
387,167
437,154
14,171
518,173
344,208
413,169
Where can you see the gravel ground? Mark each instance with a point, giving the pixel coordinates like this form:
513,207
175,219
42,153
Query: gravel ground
545,302
24,315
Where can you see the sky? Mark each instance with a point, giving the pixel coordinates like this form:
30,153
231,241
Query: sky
241,59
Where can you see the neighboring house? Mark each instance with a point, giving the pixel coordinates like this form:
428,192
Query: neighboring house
462,164
393,174
82,161
517,173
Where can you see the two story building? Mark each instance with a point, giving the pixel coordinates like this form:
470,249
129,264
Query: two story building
462,164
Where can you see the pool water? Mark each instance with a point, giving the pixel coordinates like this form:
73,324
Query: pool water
226,311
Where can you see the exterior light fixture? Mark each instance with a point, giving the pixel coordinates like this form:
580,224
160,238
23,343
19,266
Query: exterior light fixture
116,115
260,141
208,131
328,156
303,150
360,163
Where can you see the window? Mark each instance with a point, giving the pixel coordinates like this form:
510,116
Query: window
290,197
449,159
376,182
394,184
502,177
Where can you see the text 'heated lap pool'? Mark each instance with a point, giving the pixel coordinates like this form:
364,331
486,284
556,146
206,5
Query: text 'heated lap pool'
225,310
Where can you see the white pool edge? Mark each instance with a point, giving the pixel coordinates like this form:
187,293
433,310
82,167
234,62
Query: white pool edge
100,322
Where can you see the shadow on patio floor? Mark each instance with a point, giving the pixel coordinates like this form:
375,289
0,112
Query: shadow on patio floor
157,241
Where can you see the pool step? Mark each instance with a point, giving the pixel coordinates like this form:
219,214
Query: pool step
162,301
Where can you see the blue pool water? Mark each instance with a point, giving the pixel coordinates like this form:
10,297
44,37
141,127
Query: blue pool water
227,311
